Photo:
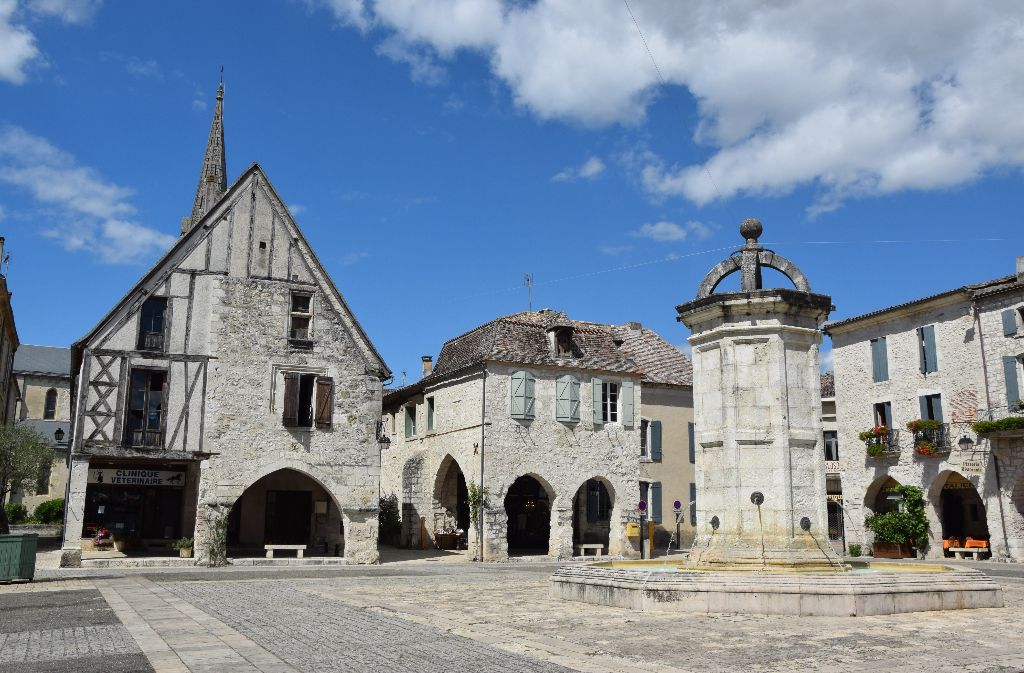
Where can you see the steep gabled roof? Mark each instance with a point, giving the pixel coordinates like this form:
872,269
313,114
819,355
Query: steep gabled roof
198,234
46,360
660,361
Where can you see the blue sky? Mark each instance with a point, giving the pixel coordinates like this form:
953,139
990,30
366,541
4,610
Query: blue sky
434,152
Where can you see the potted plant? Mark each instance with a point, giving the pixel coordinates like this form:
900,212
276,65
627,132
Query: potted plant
102,538
923,424
896,532
924,448
184,547
119,542
875,439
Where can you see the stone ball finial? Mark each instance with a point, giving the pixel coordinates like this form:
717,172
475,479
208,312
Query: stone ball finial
751,229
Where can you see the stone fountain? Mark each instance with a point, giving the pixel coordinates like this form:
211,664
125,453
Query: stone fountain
762,544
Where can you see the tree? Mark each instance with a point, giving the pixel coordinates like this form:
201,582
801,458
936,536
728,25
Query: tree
477,500
25,459
909,525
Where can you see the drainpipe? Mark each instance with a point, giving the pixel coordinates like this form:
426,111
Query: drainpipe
483,427
988,401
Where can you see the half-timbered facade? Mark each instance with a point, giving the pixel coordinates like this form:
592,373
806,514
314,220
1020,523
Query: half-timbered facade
231,378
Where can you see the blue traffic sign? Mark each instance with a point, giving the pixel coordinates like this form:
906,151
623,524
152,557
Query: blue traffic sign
677,505
642,506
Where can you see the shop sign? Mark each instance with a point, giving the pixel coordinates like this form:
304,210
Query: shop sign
957,485
831,467
971,467
838,497
119,477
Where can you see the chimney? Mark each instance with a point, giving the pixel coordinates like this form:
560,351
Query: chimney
428,365
1020,264
633,325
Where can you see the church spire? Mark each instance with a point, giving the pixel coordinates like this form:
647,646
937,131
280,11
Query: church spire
213,180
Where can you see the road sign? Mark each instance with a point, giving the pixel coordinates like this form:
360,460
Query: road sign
677,505
642,506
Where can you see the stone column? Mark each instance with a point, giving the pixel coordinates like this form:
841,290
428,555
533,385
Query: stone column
495,534
71,548
560,537
360,534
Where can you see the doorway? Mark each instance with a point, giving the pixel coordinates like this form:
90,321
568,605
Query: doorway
288,517
529,517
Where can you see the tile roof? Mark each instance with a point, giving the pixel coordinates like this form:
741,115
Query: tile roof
660,361
828,385
52,360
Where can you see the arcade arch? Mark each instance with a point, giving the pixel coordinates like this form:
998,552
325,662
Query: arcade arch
960,508
592,513
880,497
451,497
528,507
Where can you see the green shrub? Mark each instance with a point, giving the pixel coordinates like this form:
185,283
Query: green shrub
390,517
910,525
876,449
17,513
854,550
51,511
1010,423
923,424
183,543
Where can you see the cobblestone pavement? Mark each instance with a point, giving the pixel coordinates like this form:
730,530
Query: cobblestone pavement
422,615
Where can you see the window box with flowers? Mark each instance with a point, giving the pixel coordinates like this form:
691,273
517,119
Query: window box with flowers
930,437
880,441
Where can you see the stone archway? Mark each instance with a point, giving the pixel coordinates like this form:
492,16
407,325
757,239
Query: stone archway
961,511
528,505
450,497
879,497
592,508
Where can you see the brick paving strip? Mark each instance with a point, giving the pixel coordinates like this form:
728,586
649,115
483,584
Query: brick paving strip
176,636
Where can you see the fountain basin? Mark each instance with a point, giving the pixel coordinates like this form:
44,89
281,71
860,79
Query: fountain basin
887,590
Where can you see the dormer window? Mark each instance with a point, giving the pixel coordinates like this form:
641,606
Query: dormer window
300,319
151,327
563,343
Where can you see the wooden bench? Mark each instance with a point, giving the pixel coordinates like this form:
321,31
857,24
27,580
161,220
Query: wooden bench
975,552
297,547
581,549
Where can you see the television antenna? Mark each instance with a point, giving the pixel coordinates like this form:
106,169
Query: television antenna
528,282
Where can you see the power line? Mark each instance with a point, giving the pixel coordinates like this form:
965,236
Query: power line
679,112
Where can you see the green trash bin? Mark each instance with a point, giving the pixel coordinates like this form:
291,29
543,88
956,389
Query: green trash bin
18,557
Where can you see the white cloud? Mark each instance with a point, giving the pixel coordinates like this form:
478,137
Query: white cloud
825,360
17,43
686,348
353,257
855,98
140,68
670,231
591,169
69,11
87,211
296,209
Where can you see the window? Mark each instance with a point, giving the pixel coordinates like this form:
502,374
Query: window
308,401
599,503
644,426
1009,322
567,399
300,318
146,408
563,343
883,413
610,402
43,485
523,384
430,413
931,407
410,421
50,408
151,328
879,360
926,344
831,445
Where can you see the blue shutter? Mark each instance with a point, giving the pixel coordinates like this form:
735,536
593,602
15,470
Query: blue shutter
937,407
879,360
593,500
923,399
563,406
528,398
929,360
656,502
888,414
693,442
693,507
626,395
1009,322
574,399
519,395
656,440
1010,373
596,398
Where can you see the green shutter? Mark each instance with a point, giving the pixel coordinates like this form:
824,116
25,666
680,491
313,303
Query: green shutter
410,424
693,442
518,383
1009,322
923,400
655,440
1010,373
656,502
693,504
879,360
574,399
563,406
929,360
626,395
595,388
529,396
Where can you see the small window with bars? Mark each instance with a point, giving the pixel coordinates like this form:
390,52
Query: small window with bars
300,319
151,326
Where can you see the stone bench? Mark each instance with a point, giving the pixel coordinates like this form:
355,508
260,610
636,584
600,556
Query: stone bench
975,552
581,549
297,547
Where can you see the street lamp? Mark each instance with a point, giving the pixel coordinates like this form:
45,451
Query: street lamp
59,435
965,443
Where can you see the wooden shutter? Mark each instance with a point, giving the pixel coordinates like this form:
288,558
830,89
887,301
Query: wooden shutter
656,502
626,394
923,399
1010,373
597,397
410,426
593,500
324,401
574,399
528,400
656,440
929,361
879,360
1009,322
519,395
888,413
693,442
937,407
290,417
562,405
693,504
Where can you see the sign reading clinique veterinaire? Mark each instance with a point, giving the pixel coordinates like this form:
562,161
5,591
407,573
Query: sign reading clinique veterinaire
136,477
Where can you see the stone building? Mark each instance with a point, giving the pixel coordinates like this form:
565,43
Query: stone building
232,375
561,407
833,478
954,358
8,346
43,376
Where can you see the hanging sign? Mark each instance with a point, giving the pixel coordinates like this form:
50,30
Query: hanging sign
838,497
831,467
971,467
118,477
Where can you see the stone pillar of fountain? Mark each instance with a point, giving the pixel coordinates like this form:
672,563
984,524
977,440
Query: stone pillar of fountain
757,408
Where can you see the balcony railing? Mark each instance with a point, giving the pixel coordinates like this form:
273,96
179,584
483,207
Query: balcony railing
151,341
939,437
999,413
890,441
145,439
